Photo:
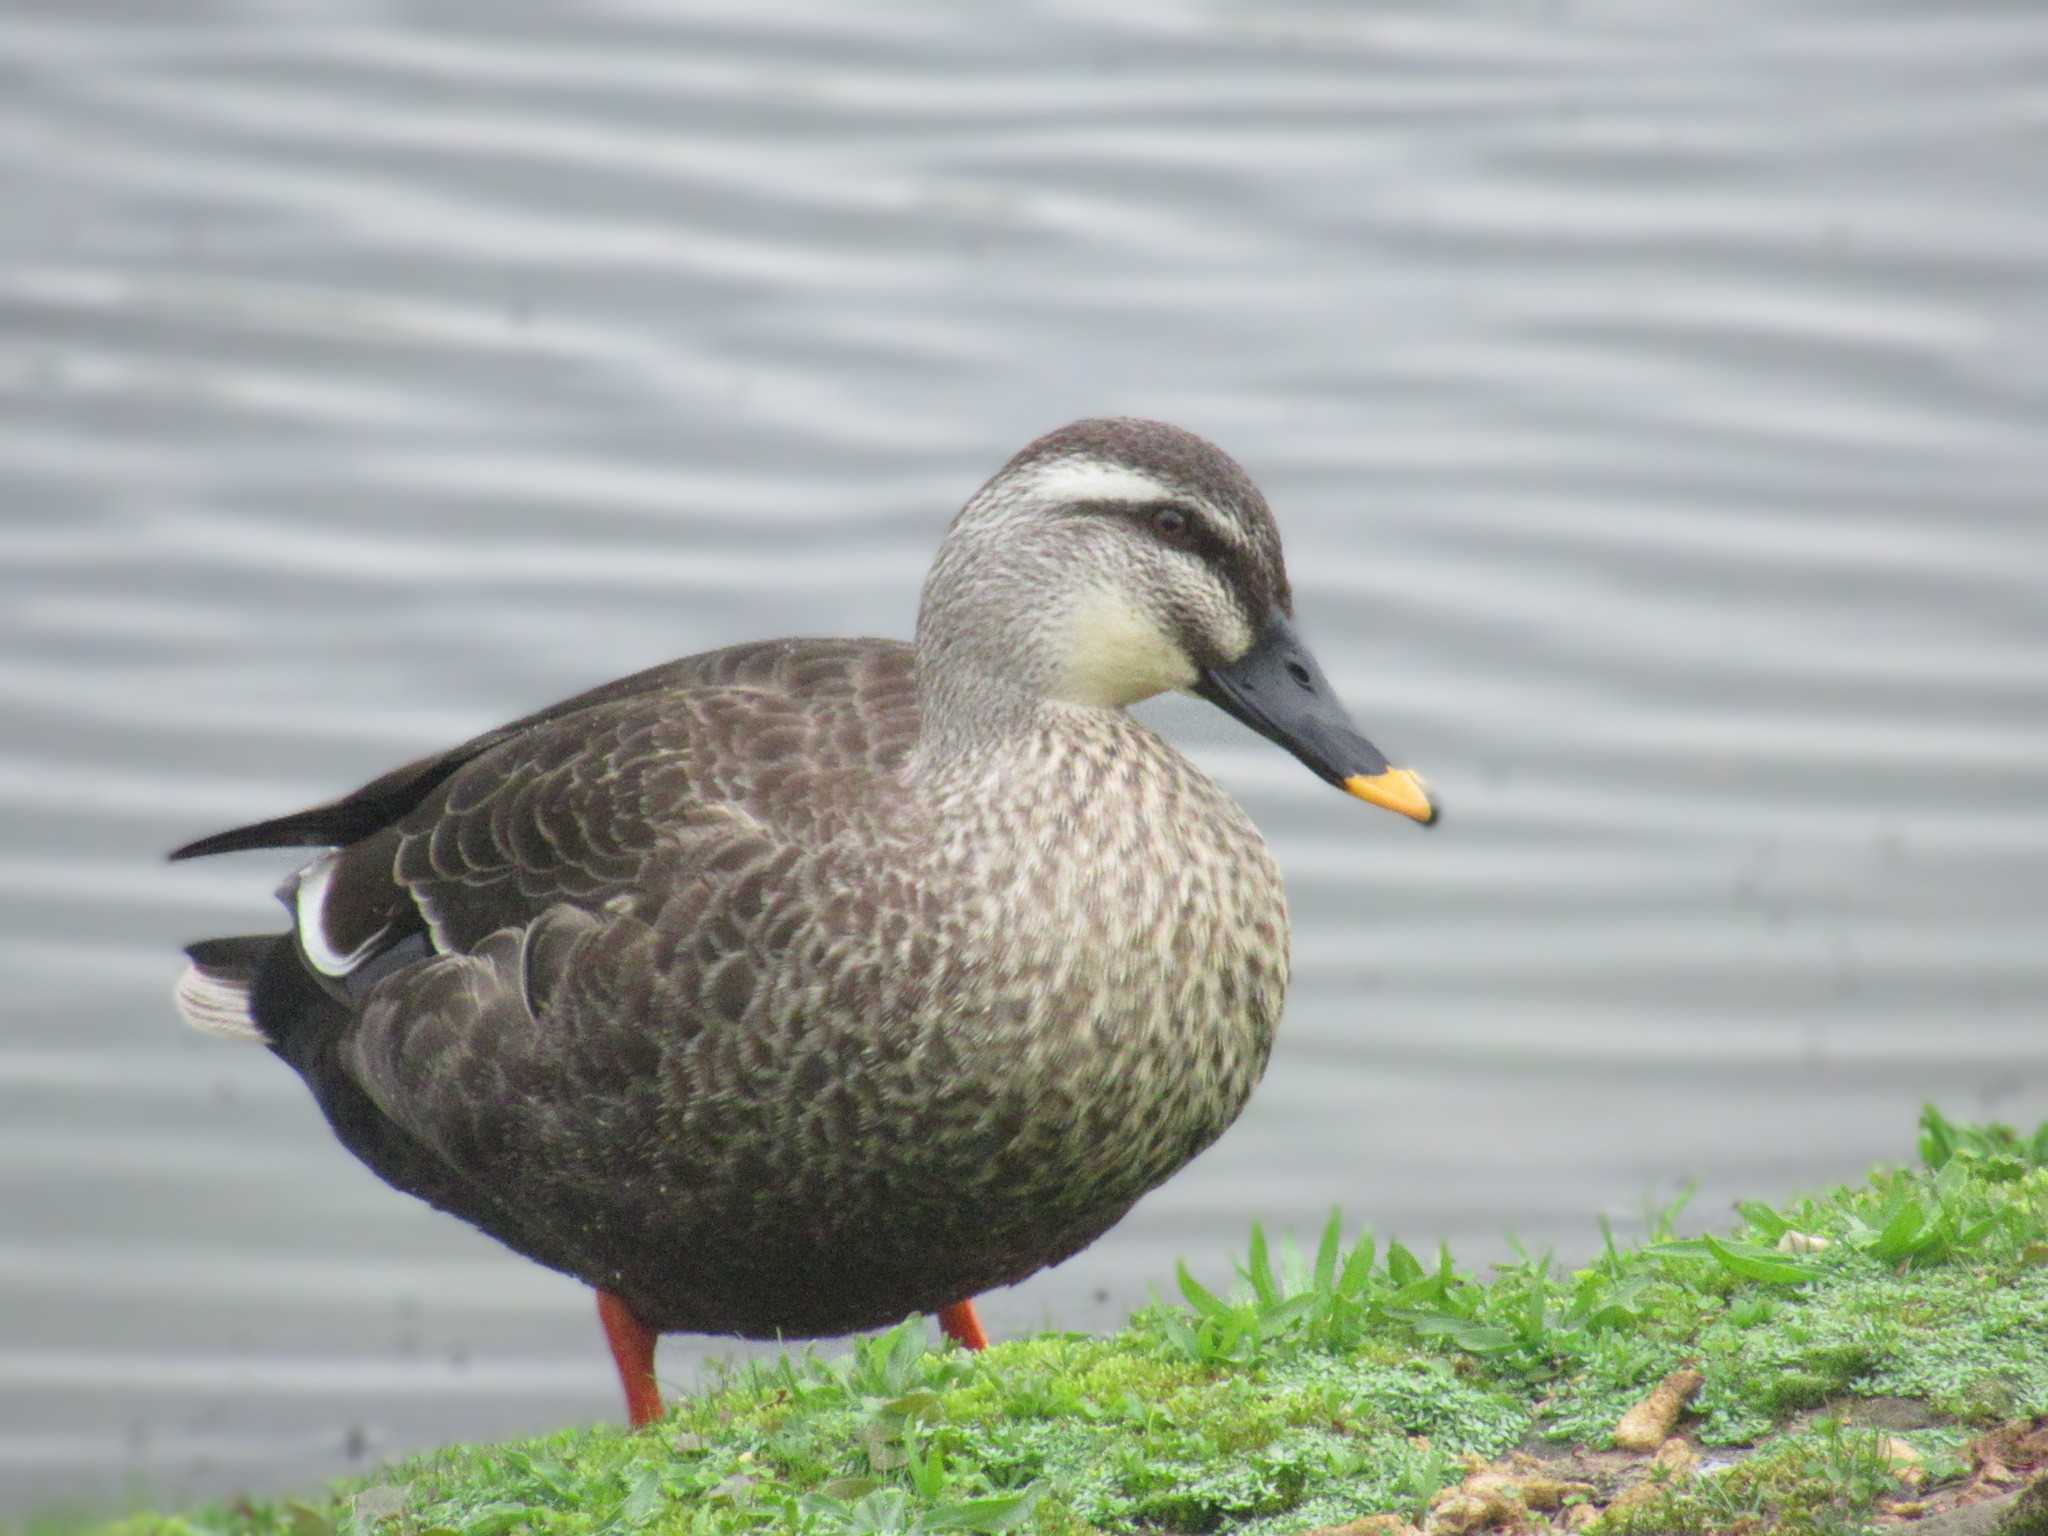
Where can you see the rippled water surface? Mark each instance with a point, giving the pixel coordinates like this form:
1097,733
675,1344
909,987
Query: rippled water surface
1653,400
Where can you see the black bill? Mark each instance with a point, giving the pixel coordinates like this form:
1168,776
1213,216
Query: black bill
1277,689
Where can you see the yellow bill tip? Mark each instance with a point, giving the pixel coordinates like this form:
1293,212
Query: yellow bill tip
1395,790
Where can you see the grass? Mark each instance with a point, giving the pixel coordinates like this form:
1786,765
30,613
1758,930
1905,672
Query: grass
1316,1388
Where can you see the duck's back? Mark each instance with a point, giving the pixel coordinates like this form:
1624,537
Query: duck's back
687,772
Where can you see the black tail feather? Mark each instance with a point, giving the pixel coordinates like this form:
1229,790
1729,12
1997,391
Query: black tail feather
353,817
302,829
237,959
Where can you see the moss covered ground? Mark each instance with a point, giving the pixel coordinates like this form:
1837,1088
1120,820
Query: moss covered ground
1874,1356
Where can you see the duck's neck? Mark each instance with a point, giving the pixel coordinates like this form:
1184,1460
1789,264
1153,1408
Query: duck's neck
987,661
970,712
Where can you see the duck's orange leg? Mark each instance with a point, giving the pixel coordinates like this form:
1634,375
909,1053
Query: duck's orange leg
632,1343
961,1323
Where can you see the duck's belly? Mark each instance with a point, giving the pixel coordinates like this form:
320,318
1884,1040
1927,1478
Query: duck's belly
858,1210
900,1183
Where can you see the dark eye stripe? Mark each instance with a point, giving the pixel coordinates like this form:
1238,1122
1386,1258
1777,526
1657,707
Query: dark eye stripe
1198,538
1196,534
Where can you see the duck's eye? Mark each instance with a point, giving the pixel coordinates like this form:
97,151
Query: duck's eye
1170,523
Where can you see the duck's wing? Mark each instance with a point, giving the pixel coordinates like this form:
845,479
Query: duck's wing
527,951
600,803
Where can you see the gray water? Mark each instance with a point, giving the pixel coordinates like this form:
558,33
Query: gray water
1652,397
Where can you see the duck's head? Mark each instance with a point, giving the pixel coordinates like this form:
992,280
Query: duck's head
1116,559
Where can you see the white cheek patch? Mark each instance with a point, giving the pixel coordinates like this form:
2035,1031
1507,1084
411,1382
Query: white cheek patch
1240,638
1116,655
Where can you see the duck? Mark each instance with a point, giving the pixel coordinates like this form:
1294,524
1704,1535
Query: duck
790,989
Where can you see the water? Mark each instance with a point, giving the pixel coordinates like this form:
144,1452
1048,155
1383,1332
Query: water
1652,399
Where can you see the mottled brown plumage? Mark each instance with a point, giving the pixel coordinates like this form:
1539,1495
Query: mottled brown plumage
800,985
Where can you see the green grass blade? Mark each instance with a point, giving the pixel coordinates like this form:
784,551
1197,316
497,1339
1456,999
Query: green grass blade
1356,1276
1759,1264
1403,1268
1259,1269
1326,1254
1205,1302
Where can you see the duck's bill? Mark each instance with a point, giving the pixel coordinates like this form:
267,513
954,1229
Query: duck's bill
1278,690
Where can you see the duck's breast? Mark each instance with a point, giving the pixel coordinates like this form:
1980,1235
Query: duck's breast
1119,961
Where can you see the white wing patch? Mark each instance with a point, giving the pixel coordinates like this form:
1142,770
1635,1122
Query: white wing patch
309,907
